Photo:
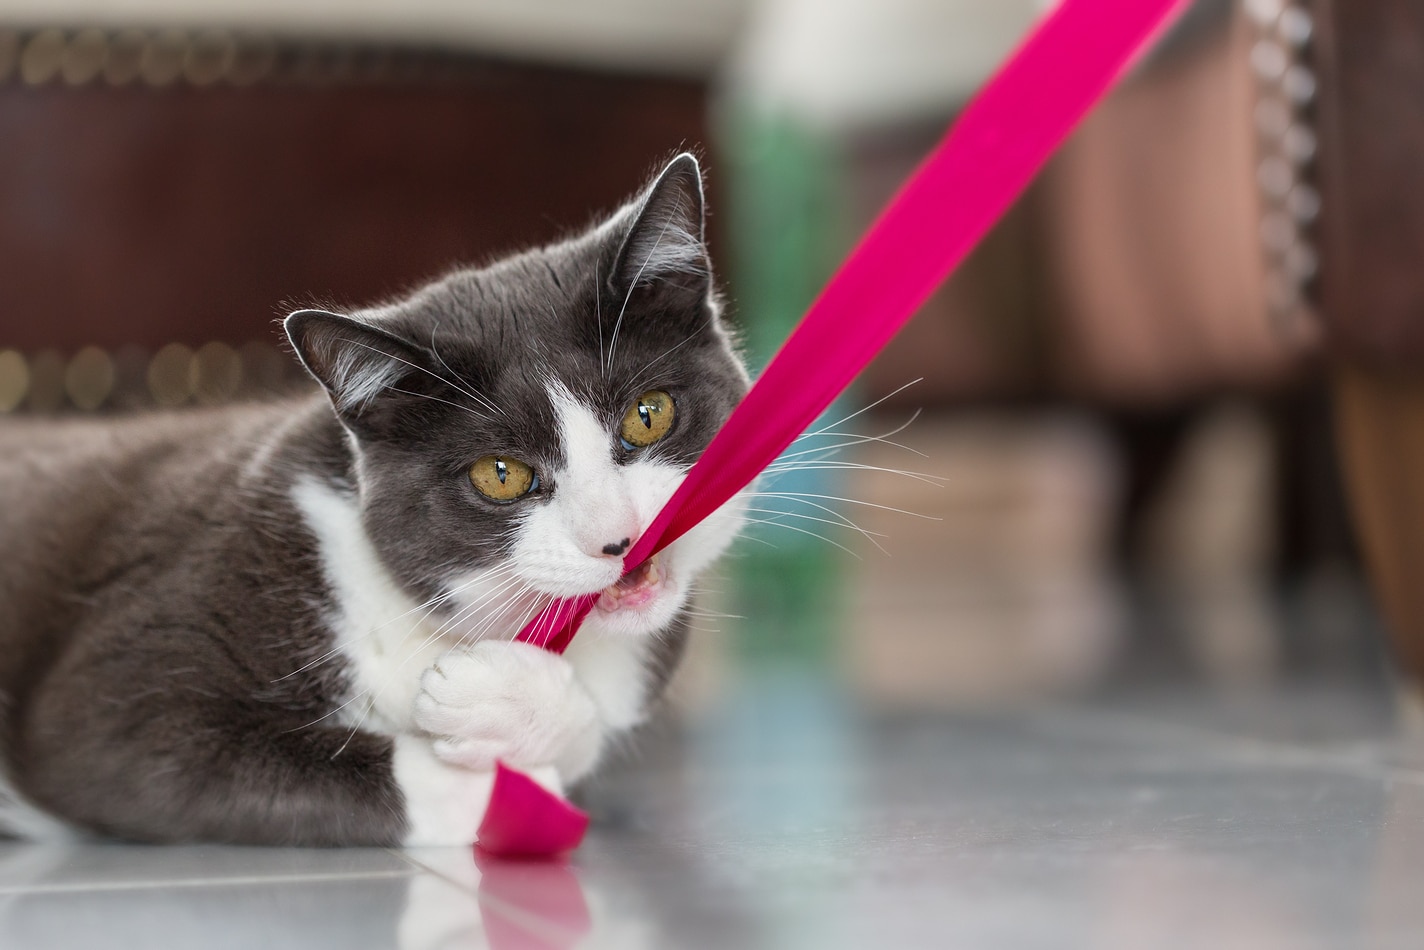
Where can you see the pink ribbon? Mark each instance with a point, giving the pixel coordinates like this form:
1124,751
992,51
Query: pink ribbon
1000,141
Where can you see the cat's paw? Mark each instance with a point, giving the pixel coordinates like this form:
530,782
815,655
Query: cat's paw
507,701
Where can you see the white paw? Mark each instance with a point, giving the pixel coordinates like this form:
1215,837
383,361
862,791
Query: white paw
444,803
507,701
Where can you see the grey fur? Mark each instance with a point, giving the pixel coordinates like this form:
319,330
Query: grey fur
159,589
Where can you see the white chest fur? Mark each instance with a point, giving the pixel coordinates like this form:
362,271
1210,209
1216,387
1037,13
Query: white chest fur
389,640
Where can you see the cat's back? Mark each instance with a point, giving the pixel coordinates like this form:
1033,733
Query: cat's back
83,496
52,469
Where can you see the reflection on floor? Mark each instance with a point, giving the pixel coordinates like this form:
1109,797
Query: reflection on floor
788,817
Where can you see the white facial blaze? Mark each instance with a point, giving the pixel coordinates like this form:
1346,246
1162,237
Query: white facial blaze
598,502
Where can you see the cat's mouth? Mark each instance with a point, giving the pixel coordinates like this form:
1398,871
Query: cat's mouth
635,589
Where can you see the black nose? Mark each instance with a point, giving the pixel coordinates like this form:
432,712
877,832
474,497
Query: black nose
619,548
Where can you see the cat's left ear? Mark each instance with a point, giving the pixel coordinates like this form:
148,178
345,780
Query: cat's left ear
357,363
665,245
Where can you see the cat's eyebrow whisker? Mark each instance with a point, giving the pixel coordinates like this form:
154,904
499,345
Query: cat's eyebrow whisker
803,496
598,315
669,352
435,376
483,400
633,285
407,392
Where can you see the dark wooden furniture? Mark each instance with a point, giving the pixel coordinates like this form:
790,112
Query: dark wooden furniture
1370,57
157,189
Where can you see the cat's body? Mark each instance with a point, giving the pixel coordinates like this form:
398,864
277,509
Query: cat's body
291,622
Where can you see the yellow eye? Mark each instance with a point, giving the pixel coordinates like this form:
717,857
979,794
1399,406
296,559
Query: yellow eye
502,479
647,420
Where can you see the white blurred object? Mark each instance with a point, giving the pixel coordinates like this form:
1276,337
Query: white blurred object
680,36
857,63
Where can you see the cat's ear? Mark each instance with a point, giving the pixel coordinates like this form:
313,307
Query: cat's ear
665,244
354,361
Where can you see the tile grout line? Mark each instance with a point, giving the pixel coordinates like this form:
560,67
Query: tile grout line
242,881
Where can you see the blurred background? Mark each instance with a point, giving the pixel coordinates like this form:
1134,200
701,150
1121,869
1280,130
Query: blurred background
1102,458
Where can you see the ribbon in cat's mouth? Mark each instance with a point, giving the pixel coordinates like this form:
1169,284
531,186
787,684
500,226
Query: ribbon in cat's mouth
635,589
998,144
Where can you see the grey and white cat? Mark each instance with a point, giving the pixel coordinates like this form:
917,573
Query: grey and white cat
291,623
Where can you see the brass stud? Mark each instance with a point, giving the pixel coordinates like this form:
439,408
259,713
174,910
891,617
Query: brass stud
89,378
264,367
124,61
42,56
1278,231
1303,202
170,375
1263,11
252,62
84,57
130,378
1295,26
14,380
1275,176
209,57
1269,59
217,373
1273,117
162,61
1299,83
46,381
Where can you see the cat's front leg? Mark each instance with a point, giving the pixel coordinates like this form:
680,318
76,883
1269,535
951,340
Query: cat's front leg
511,702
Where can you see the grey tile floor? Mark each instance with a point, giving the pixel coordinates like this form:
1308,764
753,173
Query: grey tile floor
787,817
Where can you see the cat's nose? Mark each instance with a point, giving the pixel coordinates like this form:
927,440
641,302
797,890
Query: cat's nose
616,550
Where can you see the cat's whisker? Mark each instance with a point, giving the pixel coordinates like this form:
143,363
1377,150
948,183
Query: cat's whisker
870,536
803,496
791,527
858,439
863,409
429,606
775,469
374,694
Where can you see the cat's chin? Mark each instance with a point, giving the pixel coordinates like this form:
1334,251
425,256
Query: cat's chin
635,590
643,601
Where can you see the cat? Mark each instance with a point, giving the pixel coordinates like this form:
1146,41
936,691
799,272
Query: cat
291,623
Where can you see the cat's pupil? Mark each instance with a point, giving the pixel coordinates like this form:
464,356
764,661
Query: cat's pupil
501,470
645,414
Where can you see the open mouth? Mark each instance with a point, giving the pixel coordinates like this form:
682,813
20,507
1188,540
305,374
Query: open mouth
634,589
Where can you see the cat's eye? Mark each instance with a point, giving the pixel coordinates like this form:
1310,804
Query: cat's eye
647,420
501,478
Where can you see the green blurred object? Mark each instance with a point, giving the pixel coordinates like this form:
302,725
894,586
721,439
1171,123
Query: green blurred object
787,232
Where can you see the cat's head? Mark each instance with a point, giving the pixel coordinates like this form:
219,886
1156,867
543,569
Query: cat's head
517,426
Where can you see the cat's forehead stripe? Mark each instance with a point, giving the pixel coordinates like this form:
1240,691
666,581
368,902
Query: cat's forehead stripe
586,441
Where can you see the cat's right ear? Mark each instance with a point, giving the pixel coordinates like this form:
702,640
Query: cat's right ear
354,361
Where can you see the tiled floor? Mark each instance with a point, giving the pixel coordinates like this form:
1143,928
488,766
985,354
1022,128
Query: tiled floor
783,817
